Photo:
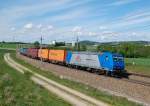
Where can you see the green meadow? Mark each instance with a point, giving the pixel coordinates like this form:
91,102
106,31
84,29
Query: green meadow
17,89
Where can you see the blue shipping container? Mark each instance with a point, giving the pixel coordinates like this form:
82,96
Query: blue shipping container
23,51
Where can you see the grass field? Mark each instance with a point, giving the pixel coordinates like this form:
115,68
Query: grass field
139,65
8,45
103,96
17,89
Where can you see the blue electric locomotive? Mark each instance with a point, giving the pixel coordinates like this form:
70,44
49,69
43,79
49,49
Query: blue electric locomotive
110,62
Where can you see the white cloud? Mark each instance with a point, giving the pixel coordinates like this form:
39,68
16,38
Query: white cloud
132,19
122,2
28,26
24,12
71,13
137,14
50,27
102,27
13,29
133,33
92,34
77,29
102,37
39,26
137,17
79,33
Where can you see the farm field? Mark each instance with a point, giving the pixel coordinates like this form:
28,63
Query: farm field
103,96
17,90
8,45
13,45
138,65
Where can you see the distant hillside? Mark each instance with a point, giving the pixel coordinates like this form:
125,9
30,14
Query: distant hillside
12,42
86,42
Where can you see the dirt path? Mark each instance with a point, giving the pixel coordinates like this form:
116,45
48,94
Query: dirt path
74,97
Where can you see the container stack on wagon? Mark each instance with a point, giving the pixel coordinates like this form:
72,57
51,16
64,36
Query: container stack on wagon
57,55
43,54
32,52
23,51
105,61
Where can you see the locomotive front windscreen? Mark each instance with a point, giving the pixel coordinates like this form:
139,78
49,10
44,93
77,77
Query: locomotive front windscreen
117,59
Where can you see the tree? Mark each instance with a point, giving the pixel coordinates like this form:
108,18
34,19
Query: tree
3,41
36,44
60,44
83,47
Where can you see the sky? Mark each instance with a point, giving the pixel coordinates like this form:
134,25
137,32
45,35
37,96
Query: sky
64,20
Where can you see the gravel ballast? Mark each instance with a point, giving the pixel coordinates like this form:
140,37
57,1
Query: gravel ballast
134,92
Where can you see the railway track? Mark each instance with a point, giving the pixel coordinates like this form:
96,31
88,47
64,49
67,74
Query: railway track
140,75
138,79
135,81
127,79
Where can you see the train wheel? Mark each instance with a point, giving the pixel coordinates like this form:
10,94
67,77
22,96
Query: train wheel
108,73
68,65
76,67
113,74
101,72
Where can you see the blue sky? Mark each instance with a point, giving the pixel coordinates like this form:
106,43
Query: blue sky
63,20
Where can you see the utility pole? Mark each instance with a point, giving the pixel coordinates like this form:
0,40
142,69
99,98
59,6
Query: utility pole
77,43
14,41
13,38
41,39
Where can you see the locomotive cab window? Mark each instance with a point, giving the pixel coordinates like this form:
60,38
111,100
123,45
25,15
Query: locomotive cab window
118,59
106,58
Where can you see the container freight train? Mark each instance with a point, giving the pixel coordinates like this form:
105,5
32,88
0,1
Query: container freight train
105,62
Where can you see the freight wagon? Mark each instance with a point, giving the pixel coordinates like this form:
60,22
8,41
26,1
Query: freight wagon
43,54
23,51
57,56
32,52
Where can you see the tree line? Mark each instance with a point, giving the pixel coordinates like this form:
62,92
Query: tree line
127,50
